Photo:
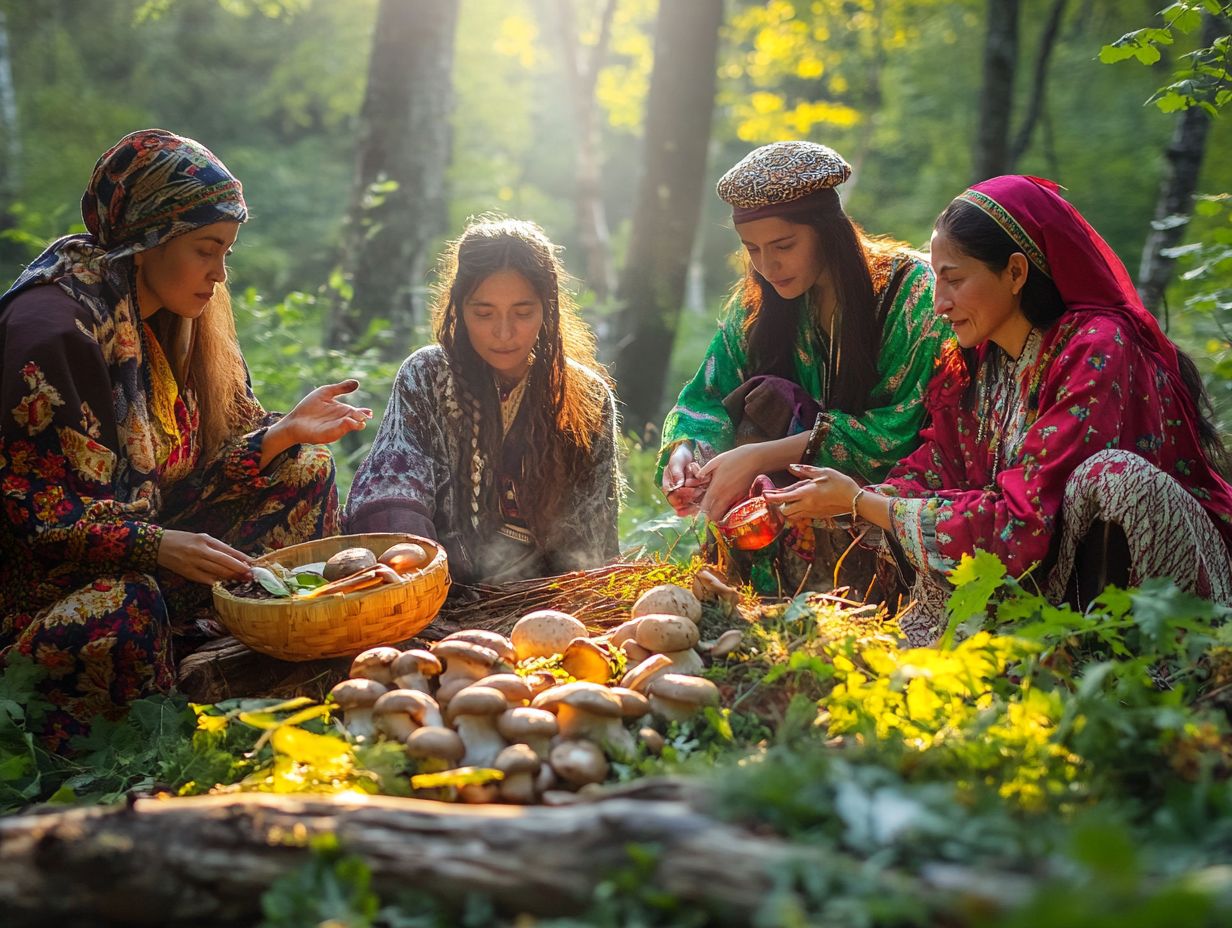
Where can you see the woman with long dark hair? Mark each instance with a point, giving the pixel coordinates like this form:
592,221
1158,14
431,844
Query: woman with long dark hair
499,440
1067,432
136,466
828,348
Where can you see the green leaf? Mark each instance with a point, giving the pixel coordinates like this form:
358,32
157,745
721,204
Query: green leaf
459,776
976,578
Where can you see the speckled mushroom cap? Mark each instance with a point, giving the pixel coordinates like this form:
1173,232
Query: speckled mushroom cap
477,700
584,697
778,178
357,693
435,741
668,599
527,722
417,661
497,642
545,632
375,664
661,633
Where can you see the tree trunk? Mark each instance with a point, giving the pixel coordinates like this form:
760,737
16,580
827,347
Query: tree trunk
679,111
588,200
10,156
1175,203
1039,83
992,143
398,204
207,860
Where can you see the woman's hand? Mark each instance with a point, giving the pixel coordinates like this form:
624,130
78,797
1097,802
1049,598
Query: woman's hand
200,558
319,418
823,494
730,475
681,485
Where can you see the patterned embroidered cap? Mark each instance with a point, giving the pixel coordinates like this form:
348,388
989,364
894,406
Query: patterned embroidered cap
153,185
776,178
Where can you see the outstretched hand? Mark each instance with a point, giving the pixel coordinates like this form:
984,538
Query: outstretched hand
823,494
321,418
681,484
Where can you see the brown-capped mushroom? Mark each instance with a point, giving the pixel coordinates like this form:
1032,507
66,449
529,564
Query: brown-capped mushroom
414,670
463,661
665,633
676,697
520,765
435,749
375,664
494,640
633,705
589,711
668,599
512,687
651,740
634,652
479,793
399,712
687,661
533,727
405,557
710,585
540,680
473,713
726,643
578,762
346,562
545,632
622,633
585,660
638,676
356,698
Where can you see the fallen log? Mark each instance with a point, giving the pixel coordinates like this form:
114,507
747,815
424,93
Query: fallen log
207,860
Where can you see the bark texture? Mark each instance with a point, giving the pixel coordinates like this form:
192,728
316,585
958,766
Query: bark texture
398,204
992,142
207,860
678,118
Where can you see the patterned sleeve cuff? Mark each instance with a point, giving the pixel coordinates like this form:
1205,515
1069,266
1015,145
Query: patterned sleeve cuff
146,541
241,461
914,524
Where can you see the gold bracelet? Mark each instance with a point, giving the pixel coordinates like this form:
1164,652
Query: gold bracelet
855,501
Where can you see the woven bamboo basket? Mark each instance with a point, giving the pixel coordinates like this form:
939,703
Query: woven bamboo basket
342,624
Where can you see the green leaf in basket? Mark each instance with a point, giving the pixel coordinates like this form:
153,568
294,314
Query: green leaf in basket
269,582
459,776
308,581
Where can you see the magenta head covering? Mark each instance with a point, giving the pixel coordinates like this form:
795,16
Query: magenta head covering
1086,271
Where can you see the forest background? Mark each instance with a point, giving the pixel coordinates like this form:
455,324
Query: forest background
366,132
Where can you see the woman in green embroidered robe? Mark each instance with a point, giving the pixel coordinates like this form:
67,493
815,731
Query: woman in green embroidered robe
829,346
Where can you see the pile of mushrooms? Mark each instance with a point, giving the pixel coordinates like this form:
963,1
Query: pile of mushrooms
475,700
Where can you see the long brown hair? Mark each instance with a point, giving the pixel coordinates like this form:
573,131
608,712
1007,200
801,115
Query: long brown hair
562,404
205,354
858,265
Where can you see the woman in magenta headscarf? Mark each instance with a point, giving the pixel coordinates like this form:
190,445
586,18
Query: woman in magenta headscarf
1066,429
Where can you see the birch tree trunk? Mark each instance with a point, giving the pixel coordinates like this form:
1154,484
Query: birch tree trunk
10,136
679,113
398,202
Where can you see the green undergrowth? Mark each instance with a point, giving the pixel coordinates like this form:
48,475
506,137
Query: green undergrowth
1040,767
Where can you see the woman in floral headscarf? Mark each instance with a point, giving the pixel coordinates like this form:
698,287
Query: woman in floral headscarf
1067,430
136,466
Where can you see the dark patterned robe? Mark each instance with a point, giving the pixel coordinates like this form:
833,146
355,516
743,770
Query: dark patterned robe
86,496
426,474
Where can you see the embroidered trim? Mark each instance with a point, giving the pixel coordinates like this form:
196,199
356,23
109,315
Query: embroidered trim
1006,221
517,534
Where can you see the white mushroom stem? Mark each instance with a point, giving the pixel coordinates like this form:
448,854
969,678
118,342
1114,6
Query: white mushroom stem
483,742
359,722
607,732
413,681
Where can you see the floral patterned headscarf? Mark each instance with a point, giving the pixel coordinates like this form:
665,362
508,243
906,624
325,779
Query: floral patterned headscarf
149,187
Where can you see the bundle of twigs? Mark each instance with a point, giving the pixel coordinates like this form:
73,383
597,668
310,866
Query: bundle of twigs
601,598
